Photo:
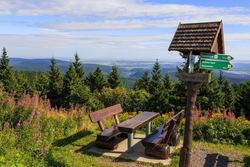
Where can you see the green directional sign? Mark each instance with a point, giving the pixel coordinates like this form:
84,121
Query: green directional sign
215,56
213,64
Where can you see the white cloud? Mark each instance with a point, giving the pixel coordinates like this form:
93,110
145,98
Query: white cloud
5,12
104,46
119,14
237,37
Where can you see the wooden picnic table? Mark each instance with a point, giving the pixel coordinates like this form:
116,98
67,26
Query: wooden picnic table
131,125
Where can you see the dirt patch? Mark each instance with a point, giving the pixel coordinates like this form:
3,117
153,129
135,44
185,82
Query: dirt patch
208,158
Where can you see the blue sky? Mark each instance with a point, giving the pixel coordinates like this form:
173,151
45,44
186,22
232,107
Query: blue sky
115,29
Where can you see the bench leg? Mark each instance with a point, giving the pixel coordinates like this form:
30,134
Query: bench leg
130,143
148,128
112,144
160,151
175,141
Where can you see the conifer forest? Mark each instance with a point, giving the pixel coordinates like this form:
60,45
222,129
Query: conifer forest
152,92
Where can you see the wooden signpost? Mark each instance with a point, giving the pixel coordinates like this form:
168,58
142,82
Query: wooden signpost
206,40
195,77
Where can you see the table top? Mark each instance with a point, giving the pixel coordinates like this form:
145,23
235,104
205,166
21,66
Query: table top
130,125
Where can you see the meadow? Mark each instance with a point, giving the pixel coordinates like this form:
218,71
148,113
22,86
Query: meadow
32,133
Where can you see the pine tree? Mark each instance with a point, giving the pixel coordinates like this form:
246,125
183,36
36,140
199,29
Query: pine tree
167,82
210,95
179,95
78,67
68,84
7,73
114,79
156,100
55,84
143,82
41,85
243,102
168,92
221,78
97,80
229,98
22,84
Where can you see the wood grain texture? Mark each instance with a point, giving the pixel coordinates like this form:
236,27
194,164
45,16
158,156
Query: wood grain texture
129,126
104,113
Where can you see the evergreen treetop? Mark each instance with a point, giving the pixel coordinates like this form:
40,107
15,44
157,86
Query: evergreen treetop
7,76
114,78
143,82
55,84
78,67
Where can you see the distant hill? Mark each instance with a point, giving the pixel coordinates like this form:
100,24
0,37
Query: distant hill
127,69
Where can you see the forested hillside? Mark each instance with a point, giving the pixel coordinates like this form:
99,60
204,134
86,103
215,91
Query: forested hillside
153,91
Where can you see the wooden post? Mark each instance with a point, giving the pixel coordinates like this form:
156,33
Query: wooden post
192,90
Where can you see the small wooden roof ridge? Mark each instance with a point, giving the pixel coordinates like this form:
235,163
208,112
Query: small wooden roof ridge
199,37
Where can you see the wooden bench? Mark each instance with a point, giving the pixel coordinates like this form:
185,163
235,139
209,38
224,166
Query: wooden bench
157,143
107,138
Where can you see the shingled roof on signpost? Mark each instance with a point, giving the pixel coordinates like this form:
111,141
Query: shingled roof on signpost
199,37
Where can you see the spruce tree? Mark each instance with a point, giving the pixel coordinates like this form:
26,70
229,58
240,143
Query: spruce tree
221,78
210,95
97,80
168,92
229,97
156,100
143,82
243,102
167,82
55,84
7,76
41,85
114,79
78,67
22,84
179,98
69,80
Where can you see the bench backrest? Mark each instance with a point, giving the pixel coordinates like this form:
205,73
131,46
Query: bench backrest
97,116
172,126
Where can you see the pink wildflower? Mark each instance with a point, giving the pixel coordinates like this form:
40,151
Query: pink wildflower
39,135
7,124
18,124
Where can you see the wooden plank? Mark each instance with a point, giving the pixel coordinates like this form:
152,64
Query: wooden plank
104,113
170,130
108,133
155,138
195,77
166,125
129,126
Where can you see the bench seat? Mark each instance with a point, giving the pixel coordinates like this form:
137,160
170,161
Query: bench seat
155,138
108,133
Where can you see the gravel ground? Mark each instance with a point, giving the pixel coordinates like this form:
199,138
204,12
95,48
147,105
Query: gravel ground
208,158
